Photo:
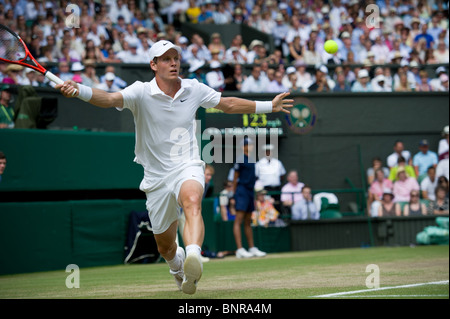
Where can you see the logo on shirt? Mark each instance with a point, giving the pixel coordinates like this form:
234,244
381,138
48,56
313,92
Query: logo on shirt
183,100
303,116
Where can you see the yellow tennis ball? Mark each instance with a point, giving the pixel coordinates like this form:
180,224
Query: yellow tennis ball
331,46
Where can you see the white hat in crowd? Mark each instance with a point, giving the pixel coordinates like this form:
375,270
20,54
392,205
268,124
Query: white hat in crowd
363,73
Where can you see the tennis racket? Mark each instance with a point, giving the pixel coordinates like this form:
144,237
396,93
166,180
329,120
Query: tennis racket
13,50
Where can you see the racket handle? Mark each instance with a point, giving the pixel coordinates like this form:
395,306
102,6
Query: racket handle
49,75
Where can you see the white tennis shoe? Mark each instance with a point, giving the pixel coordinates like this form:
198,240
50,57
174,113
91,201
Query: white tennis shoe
243,253
179,275
256,252
193,269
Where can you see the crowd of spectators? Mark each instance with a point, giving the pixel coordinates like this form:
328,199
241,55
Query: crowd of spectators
78,35
412,182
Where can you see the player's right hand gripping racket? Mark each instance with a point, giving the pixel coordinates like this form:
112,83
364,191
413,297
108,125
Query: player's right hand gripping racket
14,50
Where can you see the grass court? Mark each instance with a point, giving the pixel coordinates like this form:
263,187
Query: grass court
417,272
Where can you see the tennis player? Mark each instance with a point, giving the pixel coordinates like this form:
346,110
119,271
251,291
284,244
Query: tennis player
164,112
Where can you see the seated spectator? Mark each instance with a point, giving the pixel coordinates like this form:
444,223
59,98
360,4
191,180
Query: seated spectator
414,207
429,184
322,83
215,78
444,182
304,78
64,71
216,44
424,159
295,50
108,85
205,16
440,205
30,77
409,169
193,11
132,54
194,56
254,51
201,52
227,202
89,75
221,15
380,51
6,108
237,50
414,66
403,84
363,84
305,208
379,84
403,186
77,70
154,21
429,40
196,71
441,53
399,150
388,77
265,213
388,207
424,85
92,52
436,83
291,191
233,77
442,168
175,12
376,189
255,83
117,80
444,144
310,55
13,74
341,83
276,86
376,164
290,78
443,87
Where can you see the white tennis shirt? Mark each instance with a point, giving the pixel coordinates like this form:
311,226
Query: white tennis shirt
165,126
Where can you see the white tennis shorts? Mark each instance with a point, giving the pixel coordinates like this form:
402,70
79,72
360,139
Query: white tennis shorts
162,194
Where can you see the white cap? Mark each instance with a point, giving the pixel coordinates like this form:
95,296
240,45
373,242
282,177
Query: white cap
215,65
161,47
380,78
109,76
77,66
195,65
363,73
290,70
345,34
323,69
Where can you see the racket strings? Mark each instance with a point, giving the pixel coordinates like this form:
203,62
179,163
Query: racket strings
10,47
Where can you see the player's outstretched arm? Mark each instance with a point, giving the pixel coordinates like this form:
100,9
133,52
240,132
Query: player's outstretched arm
233,105
94,96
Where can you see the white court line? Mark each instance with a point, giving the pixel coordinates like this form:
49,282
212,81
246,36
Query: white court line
383,288
393,296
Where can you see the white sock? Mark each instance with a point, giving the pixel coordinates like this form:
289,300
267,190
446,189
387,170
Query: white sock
193,249
175,263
